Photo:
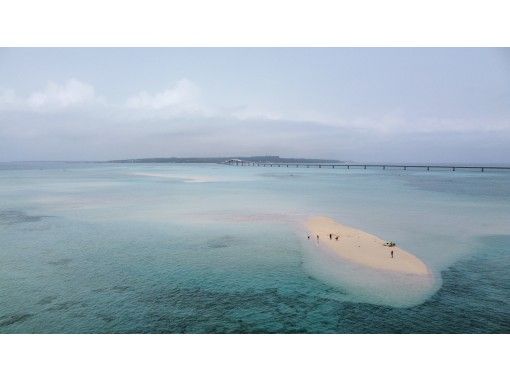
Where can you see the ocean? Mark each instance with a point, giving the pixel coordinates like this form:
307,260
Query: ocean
208,248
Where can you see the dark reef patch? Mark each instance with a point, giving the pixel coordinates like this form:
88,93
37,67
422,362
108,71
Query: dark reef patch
8,320
105,317
47,300
120,288
67,305
196,310
10,217
100,290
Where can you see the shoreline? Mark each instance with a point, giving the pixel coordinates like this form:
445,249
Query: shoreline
363,248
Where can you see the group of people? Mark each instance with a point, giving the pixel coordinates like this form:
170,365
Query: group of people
336,238
330,237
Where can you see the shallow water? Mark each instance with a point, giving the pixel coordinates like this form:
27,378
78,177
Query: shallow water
213,248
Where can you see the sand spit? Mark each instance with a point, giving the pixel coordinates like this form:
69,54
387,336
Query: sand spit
363,248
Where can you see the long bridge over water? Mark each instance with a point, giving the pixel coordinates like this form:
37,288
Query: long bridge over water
239,162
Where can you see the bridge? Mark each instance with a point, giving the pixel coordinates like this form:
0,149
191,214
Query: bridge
238,162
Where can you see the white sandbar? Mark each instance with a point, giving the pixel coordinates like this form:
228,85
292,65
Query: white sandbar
363,248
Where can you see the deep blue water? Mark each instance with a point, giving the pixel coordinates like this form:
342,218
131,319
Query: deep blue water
94,248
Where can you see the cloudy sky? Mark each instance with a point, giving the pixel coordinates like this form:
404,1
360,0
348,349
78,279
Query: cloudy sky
377,105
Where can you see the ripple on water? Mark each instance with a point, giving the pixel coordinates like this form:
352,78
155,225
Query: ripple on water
60,262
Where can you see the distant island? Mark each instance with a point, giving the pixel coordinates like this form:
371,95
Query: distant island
219,160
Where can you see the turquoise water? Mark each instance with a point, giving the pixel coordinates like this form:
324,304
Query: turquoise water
98,248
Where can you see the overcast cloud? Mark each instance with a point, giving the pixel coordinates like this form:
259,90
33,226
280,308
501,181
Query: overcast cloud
306,106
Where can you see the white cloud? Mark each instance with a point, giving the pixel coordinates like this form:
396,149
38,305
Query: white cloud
182,96
56,96
71,93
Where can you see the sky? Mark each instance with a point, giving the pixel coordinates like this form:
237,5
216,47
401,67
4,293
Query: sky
366,105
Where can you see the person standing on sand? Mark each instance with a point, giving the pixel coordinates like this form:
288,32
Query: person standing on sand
317,238
330,236
391,254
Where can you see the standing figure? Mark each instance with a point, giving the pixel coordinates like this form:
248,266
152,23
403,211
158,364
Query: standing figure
391,254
